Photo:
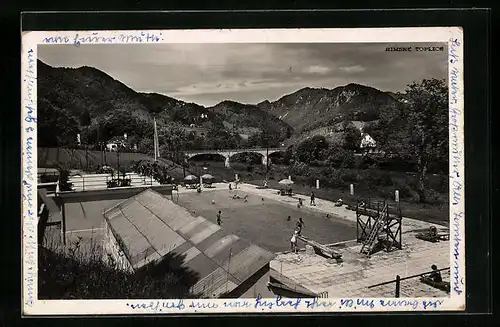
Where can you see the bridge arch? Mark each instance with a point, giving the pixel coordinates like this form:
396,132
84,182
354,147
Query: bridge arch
227,154
260,156
214,156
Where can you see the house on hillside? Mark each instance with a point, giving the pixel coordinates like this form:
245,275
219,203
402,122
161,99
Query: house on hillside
117,142
197,131
367,144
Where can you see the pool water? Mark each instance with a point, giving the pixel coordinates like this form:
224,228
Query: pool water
264,222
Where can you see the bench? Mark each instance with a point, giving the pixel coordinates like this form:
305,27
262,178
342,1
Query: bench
443,286
433,238
322,248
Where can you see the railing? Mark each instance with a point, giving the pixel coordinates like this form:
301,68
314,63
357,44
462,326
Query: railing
51,187
232,150
399,279
100,181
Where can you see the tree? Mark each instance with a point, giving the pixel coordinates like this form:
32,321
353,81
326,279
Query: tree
173,139
85,118
311,149
264,139
338,156
418,128
220,138
56,126
352,137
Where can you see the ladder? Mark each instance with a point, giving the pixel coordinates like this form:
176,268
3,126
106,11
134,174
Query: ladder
377,226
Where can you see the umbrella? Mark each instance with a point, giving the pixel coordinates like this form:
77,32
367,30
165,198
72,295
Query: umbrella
190,178
285,182
207,176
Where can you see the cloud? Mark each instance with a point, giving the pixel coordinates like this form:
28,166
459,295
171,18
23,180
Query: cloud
210,73
353,69
234,87
317,69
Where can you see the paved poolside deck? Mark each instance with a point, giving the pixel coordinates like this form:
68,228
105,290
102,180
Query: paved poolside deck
353,277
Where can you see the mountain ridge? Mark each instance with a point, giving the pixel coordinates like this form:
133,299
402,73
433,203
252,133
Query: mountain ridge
310,108
88,89
85,88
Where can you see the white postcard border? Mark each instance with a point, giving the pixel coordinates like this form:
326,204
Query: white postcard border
33,306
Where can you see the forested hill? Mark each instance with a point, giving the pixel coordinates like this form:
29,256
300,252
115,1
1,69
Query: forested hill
88,101
311,108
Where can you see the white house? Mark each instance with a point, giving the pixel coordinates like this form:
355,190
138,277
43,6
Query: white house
114,143
367,144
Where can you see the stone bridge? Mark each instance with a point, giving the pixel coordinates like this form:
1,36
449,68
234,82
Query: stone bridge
228,153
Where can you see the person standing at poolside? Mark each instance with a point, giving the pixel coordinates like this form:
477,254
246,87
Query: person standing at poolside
219,218
300,224
313,199
293,242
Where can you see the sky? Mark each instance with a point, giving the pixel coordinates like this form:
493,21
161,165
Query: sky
209,73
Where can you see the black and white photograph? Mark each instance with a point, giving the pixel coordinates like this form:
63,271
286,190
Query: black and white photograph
269,172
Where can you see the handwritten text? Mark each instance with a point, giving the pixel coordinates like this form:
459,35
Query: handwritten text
96,38
28,188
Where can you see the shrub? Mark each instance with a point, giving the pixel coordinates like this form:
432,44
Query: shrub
105,170
376,178
64,184
367,162
299,169
49,178
318,163
348,159
82,272
350,176
433,197
125,182
404,188
113,183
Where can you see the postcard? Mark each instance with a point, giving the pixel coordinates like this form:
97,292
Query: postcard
243,171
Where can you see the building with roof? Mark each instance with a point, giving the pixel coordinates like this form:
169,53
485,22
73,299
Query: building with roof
148,227
115,143
367,144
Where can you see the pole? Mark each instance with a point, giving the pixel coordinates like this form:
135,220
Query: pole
228,268
357,222
63,229
398,285
118,159
155,138
104,154
87,155
267,158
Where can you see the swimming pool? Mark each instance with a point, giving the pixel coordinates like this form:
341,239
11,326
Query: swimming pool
264,223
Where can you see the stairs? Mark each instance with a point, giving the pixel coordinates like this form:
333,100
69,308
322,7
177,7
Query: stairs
378,226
